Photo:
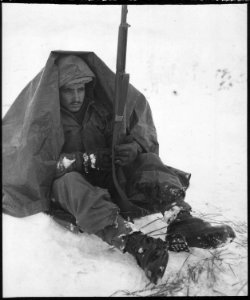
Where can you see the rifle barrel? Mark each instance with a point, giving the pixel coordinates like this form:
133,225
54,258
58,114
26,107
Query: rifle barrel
122,41
124,14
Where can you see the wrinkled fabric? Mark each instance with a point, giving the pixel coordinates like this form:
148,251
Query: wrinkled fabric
33,137
154,186
72,70
90,205
149,183
88,133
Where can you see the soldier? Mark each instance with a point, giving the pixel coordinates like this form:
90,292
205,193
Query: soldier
73,155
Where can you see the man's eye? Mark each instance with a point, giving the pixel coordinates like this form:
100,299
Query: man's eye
66,90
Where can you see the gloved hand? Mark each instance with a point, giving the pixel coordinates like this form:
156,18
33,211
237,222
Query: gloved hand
84,162
103,159
127,152
99,159
69,162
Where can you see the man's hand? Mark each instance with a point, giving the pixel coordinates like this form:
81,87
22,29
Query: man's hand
69,162
84,162
126,153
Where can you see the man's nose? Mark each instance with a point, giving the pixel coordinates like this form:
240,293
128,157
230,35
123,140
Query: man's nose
76,96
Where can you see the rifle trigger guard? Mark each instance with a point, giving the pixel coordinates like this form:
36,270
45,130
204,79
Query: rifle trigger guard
118,118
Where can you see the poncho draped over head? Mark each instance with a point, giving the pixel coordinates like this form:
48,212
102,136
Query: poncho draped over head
33,134
73,70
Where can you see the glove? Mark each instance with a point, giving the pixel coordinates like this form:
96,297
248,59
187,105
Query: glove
84,162
103,159
69,162
126,153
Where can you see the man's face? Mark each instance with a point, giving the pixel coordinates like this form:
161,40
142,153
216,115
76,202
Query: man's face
72,97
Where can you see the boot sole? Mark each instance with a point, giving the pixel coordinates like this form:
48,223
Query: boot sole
177,243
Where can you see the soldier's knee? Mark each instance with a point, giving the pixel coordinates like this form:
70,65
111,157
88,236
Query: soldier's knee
67,178
72,176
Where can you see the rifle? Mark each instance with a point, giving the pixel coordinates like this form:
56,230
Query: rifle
127,209
121,90
121,79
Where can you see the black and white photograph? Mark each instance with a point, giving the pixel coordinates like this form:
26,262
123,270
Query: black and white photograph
124,149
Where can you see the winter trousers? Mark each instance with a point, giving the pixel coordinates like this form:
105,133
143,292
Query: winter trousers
91,205
90,198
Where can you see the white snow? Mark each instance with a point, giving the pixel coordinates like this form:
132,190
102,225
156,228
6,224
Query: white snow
171,214
190,62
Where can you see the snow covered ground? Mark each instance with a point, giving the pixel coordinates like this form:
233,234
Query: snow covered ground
190,62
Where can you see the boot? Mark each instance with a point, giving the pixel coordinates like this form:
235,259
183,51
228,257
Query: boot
151,254
198,233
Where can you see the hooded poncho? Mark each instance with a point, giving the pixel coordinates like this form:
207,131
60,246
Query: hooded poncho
33,134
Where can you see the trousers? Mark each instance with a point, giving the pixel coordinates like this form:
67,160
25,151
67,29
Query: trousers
91,206
91,198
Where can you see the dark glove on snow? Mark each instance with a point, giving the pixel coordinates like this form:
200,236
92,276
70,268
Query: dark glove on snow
83,162
127,152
